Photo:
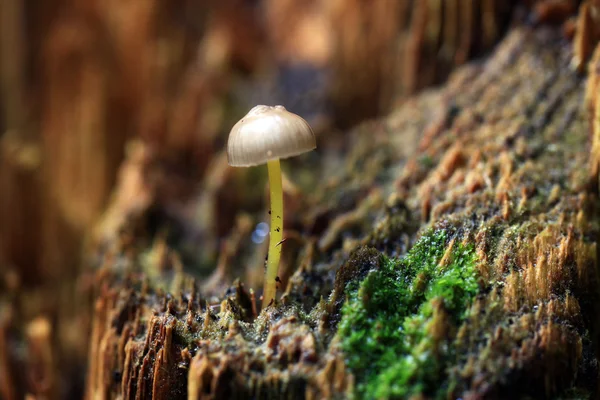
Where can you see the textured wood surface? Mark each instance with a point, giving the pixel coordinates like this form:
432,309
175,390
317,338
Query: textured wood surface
503,158
499,158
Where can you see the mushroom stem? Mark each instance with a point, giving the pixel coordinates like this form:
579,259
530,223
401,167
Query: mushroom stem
276,233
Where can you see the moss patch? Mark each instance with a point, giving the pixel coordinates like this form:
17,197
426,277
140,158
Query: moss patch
398,323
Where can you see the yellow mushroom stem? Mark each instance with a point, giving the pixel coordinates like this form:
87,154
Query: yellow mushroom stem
276,234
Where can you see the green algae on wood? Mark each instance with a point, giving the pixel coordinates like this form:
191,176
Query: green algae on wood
397,323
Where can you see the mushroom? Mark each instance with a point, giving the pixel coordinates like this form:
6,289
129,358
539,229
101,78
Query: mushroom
263,136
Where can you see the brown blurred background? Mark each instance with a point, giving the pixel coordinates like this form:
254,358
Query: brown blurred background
87,83
82,78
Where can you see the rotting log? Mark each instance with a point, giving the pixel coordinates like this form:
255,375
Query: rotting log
334,214
497,161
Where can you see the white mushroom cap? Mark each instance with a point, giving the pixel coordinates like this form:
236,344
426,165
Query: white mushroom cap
268,133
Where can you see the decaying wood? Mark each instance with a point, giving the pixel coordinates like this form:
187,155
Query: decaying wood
505,156
504,164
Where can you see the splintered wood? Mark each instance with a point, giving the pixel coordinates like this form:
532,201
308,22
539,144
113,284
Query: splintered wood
503,165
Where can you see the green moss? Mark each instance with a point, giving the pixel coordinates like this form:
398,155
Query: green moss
426,161
575,394
391,321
